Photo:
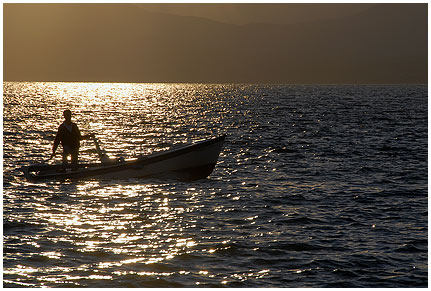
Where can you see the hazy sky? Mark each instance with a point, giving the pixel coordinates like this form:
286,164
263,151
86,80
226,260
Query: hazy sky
213,43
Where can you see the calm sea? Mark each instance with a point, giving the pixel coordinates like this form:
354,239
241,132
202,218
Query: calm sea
317,186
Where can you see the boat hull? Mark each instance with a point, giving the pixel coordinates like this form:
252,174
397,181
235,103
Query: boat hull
189,162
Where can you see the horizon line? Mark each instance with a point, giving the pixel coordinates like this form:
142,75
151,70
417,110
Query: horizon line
223,83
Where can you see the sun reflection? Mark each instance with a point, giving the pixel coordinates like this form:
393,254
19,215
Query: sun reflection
73,221
20,269
154,260
128,226
155,273
125,238
100,277
101,230
185,242
52,255
90,93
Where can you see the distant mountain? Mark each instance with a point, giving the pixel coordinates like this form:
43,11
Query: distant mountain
247,13
386,43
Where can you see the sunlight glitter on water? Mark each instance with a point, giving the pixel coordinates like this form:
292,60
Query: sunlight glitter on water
302,195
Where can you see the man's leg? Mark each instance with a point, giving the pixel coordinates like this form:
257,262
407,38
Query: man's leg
65,154
74,154
66,151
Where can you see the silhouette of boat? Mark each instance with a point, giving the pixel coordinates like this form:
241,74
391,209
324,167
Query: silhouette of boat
187,162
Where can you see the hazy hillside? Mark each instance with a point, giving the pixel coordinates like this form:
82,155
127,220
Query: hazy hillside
246,13
76,42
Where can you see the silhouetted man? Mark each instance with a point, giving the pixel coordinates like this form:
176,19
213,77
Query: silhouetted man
69,135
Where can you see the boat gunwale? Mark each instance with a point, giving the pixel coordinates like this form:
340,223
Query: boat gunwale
100,168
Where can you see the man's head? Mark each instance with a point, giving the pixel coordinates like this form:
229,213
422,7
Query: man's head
67,115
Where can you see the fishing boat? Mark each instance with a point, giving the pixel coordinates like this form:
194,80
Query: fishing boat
186,162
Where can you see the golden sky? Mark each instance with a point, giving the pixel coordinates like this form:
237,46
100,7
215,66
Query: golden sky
216,43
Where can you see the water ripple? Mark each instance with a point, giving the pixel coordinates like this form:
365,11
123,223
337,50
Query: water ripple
317,186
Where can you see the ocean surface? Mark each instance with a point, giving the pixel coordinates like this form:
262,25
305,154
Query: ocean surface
316,186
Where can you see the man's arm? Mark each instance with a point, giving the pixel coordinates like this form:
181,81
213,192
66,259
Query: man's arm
56,143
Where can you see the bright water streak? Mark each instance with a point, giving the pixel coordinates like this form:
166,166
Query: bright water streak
317,186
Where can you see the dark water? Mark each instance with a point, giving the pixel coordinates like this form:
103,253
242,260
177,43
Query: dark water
317,186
